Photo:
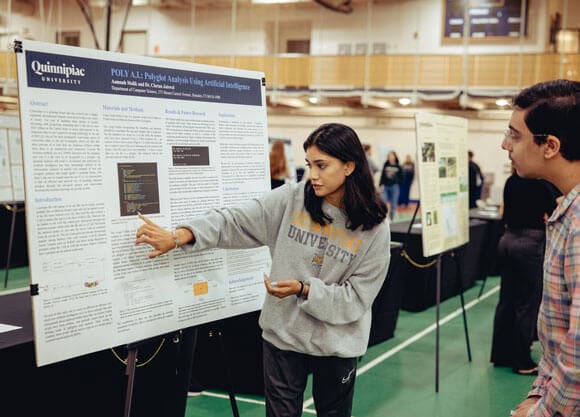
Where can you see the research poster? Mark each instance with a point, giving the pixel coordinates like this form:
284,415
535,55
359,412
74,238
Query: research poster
443,181
11,170
108,135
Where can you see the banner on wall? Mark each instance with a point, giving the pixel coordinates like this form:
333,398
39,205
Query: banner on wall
443,181
107,135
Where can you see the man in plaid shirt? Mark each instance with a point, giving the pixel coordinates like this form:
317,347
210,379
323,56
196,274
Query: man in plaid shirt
543,141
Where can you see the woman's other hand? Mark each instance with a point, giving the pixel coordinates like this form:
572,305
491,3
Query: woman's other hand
284,288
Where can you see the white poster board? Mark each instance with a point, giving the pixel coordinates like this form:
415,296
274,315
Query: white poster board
105,135
11,170
443,181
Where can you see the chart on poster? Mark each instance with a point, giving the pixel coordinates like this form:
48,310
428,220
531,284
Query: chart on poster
108,135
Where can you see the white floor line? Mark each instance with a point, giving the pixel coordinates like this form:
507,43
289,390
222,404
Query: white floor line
414,338
424,332
379,359
227,397
243,399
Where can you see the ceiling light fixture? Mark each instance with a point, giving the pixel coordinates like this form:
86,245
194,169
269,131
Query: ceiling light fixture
404,101
501,102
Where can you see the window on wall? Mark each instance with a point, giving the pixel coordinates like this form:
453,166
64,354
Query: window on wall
71,38
134,42
298,46
288,37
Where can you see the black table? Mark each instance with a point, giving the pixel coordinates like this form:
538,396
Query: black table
89,385
19,256
388,302
462,264
493,232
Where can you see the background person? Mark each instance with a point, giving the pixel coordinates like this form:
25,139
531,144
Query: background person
408,176
372,165
278,165
475,180
329,243
543,142
527,205
391,178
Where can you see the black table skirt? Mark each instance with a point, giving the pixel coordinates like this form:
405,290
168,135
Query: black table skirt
19,255
460,268
93,384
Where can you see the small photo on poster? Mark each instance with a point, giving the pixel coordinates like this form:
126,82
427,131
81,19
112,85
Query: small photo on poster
428,152
442,167
451,167
138,188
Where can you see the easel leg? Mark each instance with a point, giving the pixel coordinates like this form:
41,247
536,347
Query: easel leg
185,342
482,286
130,372
464,314
228,375
10,242
437,316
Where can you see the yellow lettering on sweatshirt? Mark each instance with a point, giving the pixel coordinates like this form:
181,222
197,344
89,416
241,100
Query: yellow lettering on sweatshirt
343,238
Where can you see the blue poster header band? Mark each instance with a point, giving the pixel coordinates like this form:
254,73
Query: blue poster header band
62,72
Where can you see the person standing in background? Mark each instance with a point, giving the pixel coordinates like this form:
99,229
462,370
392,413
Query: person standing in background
372,165
408,176
527,205
391,178
475,181
278,165
543,141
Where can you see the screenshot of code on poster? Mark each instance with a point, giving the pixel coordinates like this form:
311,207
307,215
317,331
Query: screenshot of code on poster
138,188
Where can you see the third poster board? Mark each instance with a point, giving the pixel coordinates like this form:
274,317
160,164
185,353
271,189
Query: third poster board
443,181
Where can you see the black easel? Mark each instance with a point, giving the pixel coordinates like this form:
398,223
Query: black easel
14,208
132,349
227,370
184,344
462,298
438,298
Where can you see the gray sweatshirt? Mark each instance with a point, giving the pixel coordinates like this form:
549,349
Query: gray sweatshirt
344,268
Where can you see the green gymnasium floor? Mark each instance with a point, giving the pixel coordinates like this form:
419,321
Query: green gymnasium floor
397,377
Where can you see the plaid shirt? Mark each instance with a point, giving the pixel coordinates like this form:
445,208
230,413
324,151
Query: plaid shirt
558,381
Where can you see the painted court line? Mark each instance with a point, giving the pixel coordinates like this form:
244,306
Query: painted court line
414,338
243,399
377,360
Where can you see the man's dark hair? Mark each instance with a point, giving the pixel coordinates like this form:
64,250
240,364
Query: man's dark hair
361,201
553,108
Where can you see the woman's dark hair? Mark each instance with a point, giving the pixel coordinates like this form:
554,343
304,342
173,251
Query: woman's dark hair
553,108
396,158
361,201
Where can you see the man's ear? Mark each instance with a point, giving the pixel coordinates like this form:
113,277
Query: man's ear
552,147
349,168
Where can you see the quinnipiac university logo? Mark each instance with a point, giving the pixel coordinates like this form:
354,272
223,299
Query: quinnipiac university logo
58,74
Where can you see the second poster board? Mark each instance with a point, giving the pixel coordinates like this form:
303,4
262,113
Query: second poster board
443,181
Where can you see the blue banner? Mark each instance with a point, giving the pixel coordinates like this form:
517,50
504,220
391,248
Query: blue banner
62,72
